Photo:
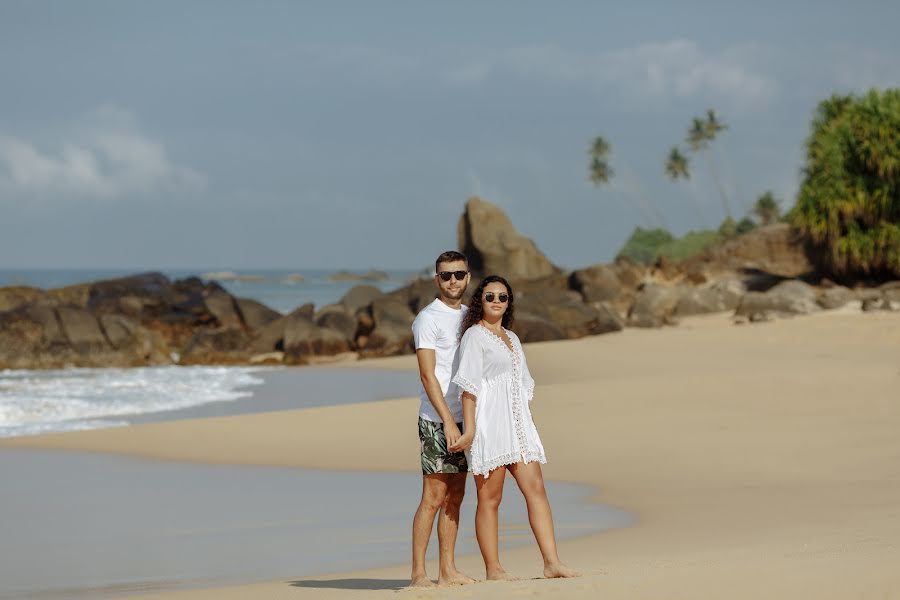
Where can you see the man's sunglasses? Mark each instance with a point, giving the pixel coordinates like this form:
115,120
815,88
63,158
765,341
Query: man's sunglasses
446,275
502,297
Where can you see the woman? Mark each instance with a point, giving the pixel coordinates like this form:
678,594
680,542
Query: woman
496,389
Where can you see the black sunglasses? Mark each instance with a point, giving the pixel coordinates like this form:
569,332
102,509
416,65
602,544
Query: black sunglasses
446,275
502,297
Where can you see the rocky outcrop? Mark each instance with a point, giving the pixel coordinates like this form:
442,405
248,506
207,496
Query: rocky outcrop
785,299
773,249
655,305
494,246
392,332
718,296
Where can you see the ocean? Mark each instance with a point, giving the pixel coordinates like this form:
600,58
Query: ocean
279,289
37,401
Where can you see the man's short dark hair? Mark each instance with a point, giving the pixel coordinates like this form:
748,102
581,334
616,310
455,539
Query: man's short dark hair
450,256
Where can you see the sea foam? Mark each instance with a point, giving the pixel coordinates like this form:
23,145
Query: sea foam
33,402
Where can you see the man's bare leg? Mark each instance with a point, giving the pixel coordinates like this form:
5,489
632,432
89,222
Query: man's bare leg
531,483
448,527
434,495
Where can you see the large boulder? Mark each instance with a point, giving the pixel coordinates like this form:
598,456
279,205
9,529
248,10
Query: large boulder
225,345
835,297
788,298
304,339
256,315
568,313
772,249
15,296
82,330
654,305
360,296
719,296
392,333
336,317
493,246
534,328
224,308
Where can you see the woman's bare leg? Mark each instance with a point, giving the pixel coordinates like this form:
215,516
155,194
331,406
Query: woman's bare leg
490,493
531,482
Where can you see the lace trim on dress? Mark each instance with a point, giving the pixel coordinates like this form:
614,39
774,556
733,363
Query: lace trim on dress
515,355
465,385
507,459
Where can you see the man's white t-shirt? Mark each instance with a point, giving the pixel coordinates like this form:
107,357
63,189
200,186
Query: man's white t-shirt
437,327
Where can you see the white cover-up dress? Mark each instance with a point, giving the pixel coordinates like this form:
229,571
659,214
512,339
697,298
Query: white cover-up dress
503,388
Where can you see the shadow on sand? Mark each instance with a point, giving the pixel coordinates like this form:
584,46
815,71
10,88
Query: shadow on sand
352,584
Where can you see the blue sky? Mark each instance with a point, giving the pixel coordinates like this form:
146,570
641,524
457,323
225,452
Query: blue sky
349,134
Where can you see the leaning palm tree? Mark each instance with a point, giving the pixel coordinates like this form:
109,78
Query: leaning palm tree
699,136
677,167
766,208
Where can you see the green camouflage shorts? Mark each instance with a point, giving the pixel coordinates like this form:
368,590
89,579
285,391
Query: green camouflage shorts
435,457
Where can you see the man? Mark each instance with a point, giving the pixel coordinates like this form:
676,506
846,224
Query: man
436,335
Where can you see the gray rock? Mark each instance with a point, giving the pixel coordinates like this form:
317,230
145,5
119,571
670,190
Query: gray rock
304,339
224,308
654,305
720,296
392,333
533,328
336,317
494,246
835,297
360,296
790,297
82,330
568,313
256,315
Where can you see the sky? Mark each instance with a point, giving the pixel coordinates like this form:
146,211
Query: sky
341,134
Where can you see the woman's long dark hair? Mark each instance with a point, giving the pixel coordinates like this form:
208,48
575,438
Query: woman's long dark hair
476,310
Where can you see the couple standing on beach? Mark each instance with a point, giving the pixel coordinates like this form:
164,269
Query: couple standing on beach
474,415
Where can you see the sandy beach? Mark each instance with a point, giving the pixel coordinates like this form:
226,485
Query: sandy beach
759,461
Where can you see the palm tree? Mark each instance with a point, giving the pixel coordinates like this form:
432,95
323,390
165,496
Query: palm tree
600,171
677,165
699,136
766,208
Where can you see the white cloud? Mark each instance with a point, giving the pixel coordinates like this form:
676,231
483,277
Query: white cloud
105,157
678,68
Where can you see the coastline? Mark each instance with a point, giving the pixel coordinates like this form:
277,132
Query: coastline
757,459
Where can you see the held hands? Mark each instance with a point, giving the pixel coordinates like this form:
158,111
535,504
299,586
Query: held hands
451,432
463,443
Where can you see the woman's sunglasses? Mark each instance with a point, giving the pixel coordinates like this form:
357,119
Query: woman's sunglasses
446,275
489,297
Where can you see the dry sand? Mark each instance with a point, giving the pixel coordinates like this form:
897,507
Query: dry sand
760,461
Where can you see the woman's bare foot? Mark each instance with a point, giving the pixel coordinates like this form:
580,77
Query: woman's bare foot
421,581
500,575
455,578
560,570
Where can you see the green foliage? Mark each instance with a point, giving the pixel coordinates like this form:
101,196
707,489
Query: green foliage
599,170
849,201
692,243
767,209
646,245
676,165
728,228
744,225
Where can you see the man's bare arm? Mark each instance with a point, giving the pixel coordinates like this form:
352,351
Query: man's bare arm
426,359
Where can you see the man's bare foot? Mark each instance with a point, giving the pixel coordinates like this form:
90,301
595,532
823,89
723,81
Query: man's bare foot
421,581
455,578
500,575
560,570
